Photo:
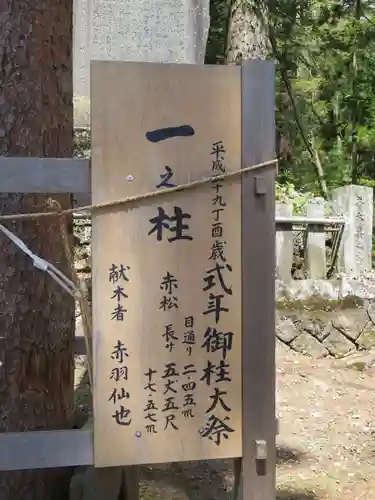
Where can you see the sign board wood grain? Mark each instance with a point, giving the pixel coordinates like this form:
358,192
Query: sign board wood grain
166,271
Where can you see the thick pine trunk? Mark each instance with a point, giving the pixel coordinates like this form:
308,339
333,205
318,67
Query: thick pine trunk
36,315
245,38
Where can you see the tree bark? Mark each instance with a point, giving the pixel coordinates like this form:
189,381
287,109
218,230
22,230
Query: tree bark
245,37
355,111
36,315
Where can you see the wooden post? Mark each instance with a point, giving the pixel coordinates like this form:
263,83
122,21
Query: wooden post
258,291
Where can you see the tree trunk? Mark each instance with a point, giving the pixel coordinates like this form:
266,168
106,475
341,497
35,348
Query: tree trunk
355,98
36,315
245,37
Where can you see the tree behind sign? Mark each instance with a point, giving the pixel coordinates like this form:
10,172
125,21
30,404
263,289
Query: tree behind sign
37,316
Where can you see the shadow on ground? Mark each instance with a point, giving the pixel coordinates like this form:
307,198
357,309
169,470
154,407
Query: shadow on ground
207,480
199,480
287,455
296,495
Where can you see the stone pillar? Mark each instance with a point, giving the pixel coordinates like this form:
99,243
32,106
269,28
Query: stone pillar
80,44
316,249
355,204
137,30
284,245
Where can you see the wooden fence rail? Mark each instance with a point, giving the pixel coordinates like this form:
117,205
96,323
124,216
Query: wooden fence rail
43,449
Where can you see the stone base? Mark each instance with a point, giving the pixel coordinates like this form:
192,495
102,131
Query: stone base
321,333
320,291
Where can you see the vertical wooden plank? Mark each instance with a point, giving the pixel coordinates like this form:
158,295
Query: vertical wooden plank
258,291
171,274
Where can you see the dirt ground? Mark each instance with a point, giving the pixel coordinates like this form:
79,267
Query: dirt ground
326,442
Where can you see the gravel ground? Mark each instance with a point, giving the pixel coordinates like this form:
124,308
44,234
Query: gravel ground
326,445
327,417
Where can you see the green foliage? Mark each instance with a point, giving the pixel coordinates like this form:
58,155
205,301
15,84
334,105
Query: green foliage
367,182
325,89
219,12
287,193
327,53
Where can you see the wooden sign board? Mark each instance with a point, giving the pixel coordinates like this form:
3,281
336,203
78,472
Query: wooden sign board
166,271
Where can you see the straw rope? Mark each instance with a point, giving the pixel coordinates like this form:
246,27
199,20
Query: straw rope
140,197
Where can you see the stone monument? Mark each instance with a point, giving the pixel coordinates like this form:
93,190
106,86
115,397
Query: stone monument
130,30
